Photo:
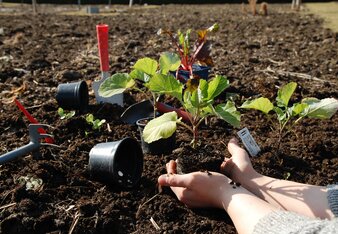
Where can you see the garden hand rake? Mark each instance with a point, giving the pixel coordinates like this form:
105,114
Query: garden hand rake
34,144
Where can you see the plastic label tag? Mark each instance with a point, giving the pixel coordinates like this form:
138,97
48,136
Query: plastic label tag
248,141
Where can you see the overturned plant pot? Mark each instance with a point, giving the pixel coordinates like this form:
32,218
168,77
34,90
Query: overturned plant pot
197,70
119,162
162,146
73,96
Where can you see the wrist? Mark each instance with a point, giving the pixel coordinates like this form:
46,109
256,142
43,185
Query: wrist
252,180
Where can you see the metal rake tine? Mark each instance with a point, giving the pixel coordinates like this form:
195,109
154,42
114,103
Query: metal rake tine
39,125
49,144
45,135
37,131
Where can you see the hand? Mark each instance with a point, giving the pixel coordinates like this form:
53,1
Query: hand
238,167
197,189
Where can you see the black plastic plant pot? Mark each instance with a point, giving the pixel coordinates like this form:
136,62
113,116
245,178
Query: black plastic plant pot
73,96
117,163
138,111
199,71
162,146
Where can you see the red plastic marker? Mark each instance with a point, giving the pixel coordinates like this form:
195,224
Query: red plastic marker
102,37
33,120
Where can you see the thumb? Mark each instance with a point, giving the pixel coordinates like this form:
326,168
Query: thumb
173,180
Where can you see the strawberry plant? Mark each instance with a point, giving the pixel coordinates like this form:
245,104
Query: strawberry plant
189,54
289,115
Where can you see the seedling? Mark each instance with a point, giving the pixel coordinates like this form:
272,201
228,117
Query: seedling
143,72
288,116
31,182
96,123
200,51
65,115
197,99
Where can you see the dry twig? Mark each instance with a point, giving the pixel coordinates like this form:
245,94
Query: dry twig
293,74
8,205
75,221
154,224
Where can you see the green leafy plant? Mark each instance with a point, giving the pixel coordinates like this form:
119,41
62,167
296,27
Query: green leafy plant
65,115
198,52
197,100
287,116
196,96
144,70
96,123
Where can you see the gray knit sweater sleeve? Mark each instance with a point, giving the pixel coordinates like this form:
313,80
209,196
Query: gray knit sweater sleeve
284,222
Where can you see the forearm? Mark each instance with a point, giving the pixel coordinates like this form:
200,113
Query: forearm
309,200
245,209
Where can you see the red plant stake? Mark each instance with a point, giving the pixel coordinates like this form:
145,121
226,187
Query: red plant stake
33,120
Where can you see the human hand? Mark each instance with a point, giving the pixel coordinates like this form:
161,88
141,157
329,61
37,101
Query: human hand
238,167
197,189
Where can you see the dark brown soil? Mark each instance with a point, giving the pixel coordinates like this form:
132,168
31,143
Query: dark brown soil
45,50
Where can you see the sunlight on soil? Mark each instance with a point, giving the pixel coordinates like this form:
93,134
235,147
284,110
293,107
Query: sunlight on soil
328,11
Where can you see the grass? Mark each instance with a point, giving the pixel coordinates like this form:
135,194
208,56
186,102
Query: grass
328,11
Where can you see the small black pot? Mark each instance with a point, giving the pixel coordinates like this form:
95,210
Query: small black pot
119,162
162,146
199,71
73,95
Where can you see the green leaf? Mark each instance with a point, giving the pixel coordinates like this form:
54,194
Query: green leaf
261,104
146,65
320,109
116,84
284,94
61,112
213,28
281,115
166,84
90,118
216,86
169,62
139,75
200,94
187,103
229,113
161,127
298,108
64,115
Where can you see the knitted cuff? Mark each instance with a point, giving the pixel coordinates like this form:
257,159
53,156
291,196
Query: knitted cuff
332,197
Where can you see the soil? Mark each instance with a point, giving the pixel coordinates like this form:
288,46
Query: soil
258,55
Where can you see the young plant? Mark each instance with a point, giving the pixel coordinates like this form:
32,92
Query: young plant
197,99
189,55
96,123
65,115
144,70
287,116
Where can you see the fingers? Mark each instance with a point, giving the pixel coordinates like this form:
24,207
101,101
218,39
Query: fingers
234,148
171,167
173,180
226,166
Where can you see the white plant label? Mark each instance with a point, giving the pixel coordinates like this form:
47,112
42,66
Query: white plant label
248,141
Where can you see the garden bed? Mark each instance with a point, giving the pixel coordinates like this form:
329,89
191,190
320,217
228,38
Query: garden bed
257,54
